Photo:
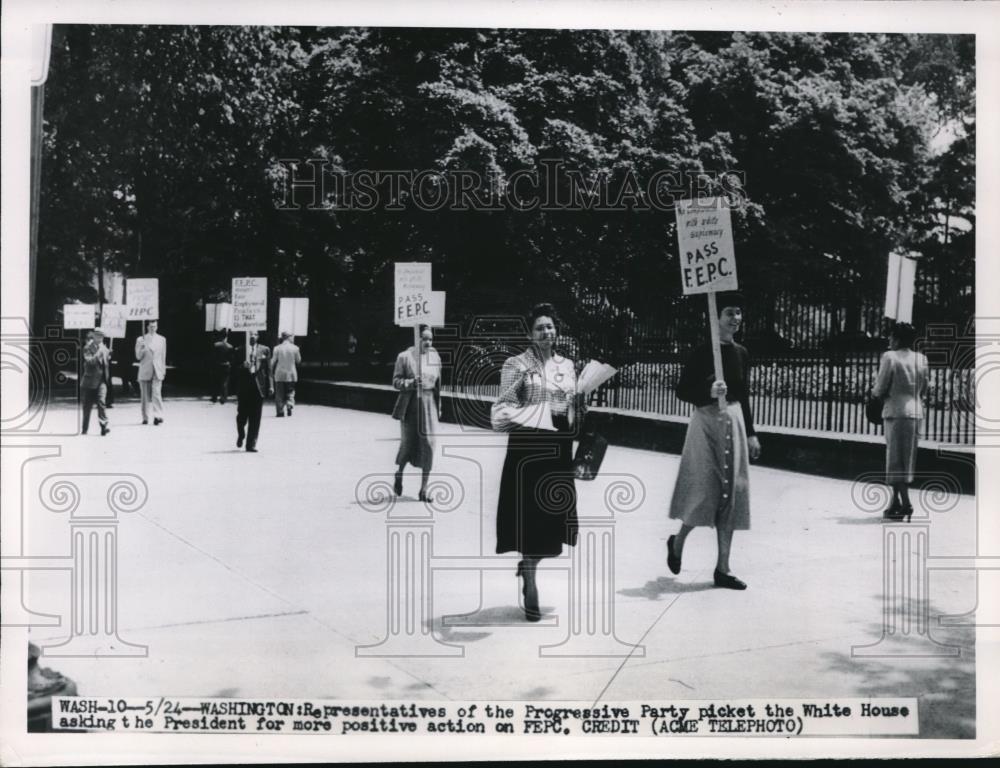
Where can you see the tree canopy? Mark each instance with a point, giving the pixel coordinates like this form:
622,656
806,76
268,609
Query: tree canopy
166,149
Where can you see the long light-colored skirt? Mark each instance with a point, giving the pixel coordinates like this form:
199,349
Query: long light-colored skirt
713,483
901,440
416,432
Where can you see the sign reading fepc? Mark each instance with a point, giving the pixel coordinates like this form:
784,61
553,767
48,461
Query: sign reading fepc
249,300
705,240
413,293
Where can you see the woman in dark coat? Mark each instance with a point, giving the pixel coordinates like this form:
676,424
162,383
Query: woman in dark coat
713,487
536,514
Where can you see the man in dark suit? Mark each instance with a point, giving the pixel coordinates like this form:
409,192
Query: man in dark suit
95,380
253,384
222,357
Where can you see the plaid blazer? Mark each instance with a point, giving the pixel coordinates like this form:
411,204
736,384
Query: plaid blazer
524,384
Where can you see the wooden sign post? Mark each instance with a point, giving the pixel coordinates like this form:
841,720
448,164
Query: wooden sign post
707,259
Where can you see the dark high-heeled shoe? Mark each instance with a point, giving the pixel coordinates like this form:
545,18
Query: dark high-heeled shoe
397,485
673,561
531,609
423,496
892,513
905,512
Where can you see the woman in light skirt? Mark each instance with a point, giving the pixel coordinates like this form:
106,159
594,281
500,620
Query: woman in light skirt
713,487
902,382
418,409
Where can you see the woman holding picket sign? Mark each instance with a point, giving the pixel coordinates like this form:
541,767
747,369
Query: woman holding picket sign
713,487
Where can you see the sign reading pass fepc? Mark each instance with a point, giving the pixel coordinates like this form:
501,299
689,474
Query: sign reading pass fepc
705,240
413,293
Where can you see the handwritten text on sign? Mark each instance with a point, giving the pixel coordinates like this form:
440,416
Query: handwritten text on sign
705,239
143,298
78,316
249,300
113,319
413,293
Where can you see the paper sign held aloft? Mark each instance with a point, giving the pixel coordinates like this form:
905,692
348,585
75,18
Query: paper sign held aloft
113,320
705,240
899,288
593,376
79,316
436,315
293,316
249,300
218,317
413,293
143,296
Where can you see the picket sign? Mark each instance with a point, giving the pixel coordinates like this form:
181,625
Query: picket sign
143,298
416,304
899,287
77,317
113,320
293,316
218,317
707,259
249,299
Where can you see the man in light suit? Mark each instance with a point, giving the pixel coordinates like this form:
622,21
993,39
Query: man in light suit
284,370
151,352
253,384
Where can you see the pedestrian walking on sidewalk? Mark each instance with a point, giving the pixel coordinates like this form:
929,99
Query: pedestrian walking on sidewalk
151,352
222,358
284,371
253,384
902,382
95,381
539,408
418,409
713,485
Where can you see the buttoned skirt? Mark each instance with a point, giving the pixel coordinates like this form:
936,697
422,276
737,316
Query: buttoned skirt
713,482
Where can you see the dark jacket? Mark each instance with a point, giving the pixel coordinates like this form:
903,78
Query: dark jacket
261,380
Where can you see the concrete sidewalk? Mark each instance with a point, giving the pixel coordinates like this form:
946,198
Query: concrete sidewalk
259,575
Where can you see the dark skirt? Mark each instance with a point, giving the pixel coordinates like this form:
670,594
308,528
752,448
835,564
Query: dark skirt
536,513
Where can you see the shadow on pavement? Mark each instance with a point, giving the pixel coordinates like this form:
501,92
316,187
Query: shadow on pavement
867,519
652,590
944,686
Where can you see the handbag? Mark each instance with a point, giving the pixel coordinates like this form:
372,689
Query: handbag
589,455
873,409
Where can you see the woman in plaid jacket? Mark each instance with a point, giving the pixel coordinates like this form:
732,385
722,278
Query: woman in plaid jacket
539,408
